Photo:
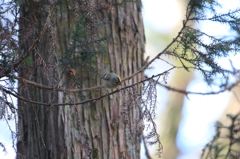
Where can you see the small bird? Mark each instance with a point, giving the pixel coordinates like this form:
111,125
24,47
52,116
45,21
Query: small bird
111,80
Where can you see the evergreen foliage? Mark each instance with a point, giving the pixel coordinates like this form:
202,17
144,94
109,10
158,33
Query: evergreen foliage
225,144
203,50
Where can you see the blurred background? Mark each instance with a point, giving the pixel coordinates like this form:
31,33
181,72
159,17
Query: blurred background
185,124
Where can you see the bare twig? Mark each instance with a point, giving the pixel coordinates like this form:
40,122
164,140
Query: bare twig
148,156
41,86
197,93
85,101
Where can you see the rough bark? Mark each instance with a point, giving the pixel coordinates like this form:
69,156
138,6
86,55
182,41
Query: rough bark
94,130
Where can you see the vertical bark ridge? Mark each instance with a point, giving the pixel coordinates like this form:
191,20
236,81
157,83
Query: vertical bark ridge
96,129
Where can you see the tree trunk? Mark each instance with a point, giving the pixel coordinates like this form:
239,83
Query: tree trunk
97,129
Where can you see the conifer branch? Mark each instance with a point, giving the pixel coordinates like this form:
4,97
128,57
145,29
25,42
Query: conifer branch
197,93
116,91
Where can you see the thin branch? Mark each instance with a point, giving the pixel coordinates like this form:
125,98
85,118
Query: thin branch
147,153
162,52
3,147
41,86
99,87
85,101
197,93
86,89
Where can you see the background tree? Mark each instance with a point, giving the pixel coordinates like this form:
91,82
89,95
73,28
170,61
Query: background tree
57,60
